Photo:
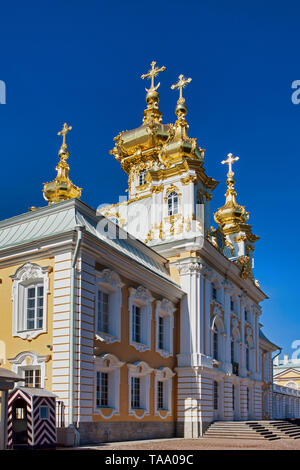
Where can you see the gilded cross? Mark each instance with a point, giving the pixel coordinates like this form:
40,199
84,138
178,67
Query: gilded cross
153,72
230,160
182,82
64,132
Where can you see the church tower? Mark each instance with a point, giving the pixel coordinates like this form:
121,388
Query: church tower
232,223
169,192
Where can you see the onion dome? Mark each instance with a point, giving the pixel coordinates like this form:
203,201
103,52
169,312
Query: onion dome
61,188
232,218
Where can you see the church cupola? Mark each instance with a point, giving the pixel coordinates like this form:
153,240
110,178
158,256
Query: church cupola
232,220
152,114
61,188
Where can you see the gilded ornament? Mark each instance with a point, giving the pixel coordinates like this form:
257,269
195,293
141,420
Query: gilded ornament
61,188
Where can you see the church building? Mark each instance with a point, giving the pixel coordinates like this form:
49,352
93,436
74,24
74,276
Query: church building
142,318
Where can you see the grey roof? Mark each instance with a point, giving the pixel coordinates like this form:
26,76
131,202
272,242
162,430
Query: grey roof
37,392
264,338
64,217
289,364
9,375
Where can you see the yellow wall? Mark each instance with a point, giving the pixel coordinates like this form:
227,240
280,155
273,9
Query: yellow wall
128,354
287,376
16,345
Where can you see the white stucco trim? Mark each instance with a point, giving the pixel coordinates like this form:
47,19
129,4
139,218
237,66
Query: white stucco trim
29,360
164,375
165,308
141,297
109,282
111,365
143,371
26,275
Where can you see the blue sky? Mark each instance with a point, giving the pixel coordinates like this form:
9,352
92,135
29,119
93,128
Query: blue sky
81,62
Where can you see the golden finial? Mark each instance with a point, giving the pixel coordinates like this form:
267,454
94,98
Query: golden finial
153,72
230,160
64,132
182,82
61,188
152,114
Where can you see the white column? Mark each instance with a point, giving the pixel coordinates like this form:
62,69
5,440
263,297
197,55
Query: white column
207,315
242,371
192,314
227,310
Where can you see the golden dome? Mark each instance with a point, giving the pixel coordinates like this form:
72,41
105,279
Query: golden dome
231,213
232,218
61,188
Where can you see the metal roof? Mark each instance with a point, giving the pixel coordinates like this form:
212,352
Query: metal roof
264,338
9,375
37,392
64,217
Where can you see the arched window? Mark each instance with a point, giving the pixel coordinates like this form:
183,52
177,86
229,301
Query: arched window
199,207
142,177
172,201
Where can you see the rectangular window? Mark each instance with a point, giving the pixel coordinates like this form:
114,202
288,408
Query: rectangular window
103,312
32,378
215,345
102,389
142,178
135,392
34,307
247,359
136,326
214,293
160,395
20,413
44,412
232,352
232,305
161,332
216,399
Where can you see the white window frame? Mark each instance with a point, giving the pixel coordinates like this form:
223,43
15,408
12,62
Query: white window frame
29,274
142,177
164,375
110,364
30,360
110,283
165,309
143,371
172,207
143,299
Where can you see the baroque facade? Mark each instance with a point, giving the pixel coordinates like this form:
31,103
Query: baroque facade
141,318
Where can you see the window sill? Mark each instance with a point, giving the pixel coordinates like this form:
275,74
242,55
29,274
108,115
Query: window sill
106,412
106,337
164,353
163,413
29,334
139,412
140,346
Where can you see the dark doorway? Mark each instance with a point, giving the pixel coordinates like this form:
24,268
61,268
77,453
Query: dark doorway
19,423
